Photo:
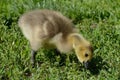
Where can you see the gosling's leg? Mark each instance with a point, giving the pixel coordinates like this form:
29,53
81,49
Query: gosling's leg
33,55
34,48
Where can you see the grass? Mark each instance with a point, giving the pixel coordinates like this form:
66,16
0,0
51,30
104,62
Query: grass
98,21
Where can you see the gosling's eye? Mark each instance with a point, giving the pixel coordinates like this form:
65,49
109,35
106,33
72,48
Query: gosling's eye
86,55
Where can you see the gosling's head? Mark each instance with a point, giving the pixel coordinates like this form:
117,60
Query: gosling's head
83,49
84,54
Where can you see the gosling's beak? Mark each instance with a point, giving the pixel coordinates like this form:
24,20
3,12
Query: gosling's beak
86,64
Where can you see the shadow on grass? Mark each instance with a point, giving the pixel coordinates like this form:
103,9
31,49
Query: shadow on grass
4,77
96,65
55,56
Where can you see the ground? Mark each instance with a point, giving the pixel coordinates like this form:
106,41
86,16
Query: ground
97,20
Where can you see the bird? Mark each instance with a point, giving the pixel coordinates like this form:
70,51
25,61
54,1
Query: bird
51,29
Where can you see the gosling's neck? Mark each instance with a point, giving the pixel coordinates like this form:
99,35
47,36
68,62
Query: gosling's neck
77,39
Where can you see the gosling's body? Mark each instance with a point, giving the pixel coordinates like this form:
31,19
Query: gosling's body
46,27
43,26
